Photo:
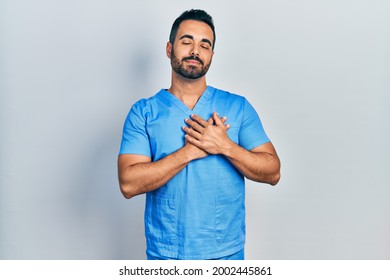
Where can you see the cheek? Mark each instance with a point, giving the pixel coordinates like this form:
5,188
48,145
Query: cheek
209,57
207,61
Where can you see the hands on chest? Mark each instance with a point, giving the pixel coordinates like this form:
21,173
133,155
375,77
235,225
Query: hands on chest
209,136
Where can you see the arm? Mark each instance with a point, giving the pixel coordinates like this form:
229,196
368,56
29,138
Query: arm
260,164
137,174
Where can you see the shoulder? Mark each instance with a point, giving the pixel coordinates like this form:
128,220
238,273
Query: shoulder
231,95
225,93
228,97
145,104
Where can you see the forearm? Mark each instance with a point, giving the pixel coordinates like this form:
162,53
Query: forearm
141,177
259,166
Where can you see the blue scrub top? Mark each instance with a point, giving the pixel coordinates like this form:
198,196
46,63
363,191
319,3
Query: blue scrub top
199,213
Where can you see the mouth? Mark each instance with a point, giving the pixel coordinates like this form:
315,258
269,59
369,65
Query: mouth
193,60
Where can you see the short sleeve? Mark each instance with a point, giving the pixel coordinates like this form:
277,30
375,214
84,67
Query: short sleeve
135,139
251,133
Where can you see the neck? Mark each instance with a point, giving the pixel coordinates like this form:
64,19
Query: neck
187,90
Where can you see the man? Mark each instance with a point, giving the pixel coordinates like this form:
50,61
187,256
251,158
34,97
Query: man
189,148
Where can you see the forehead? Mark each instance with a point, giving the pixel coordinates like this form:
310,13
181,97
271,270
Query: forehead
197,29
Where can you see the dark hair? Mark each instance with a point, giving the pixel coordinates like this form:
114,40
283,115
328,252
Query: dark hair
192,14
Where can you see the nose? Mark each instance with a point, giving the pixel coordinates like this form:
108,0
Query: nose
195,50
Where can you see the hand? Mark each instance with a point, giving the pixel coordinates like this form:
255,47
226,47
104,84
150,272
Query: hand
210,135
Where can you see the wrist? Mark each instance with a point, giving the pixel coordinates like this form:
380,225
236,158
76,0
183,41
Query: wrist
184,154
189,153
228,148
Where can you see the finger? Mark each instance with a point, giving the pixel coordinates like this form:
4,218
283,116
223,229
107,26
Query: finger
210,120
217,119
199,120
191,132
194,125
227,126
192,140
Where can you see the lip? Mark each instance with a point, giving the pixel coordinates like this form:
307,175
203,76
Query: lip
193,61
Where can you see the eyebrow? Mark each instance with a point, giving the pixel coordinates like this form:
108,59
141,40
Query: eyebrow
192,38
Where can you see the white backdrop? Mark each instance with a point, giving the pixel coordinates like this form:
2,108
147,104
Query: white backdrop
318,72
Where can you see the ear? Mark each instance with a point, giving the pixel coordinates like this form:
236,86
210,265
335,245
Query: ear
169,49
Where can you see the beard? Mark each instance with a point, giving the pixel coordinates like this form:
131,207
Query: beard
190,71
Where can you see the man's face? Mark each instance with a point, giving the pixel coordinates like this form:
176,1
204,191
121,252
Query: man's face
191,53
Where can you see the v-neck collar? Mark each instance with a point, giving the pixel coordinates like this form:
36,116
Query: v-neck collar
204,98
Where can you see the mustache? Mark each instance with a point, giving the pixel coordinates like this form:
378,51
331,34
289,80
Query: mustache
193,58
